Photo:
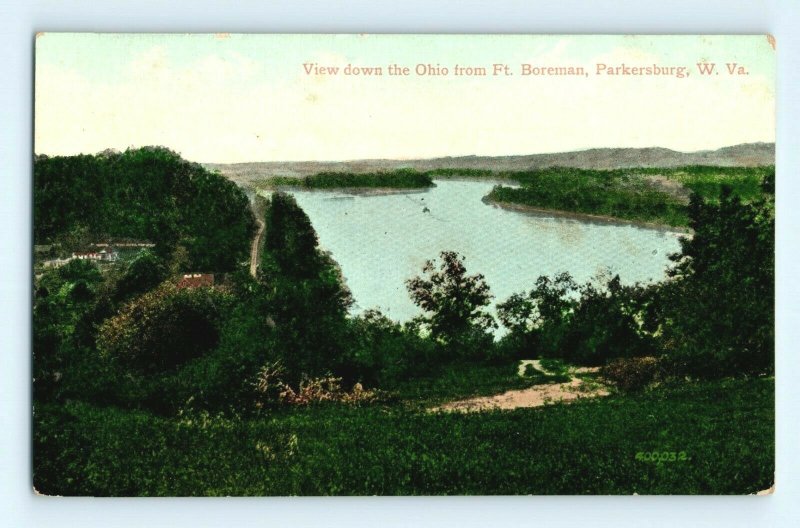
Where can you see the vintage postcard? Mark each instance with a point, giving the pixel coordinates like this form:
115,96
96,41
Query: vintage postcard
270,265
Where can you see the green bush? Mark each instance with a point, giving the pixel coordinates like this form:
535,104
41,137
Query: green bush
381,352
606,323
63,299
143,273
632,374
164,328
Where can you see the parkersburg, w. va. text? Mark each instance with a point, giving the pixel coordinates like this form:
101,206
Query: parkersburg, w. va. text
705,69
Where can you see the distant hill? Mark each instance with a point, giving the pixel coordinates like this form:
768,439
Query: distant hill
746,154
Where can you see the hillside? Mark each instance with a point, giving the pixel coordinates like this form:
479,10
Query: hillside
747,154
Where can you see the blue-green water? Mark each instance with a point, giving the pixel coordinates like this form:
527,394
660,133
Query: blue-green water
382,240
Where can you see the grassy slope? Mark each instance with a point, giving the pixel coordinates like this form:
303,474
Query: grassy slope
726,428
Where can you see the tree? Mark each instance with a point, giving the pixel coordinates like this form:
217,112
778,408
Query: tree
717,311
307,298
290,242
454,301
143,273
149,193
607,323
536,320
382,352
584,324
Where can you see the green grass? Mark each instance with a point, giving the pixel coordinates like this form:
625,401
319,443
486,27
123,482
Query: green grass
726,429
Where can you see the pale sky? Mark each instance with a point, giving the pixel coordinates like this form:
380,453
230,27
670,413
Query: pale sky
219,98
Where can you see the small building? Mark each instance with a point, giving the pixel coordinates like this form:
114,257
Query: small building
55,263
109,254
196,280
105,255
86,255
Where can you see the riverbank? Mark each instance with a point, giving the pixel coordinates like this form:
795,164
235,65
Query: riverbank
646,197
585,217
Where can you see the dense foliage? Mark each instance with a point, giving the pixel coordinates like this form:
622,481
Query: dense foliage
267,384
164,328
713,317
63,299
307,298
632,374
383,353
397,179
642,194
584,324
143,194
717,313
602,193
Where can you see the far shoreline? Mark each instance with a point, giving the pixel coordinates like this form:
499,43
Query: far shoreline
520,208
586,217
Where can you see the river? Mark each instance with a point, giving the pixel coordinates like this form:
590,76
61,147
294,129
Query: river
380,240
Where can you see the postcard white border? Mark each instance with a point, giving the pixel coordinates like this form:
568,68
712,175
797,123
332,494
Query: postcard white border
20,507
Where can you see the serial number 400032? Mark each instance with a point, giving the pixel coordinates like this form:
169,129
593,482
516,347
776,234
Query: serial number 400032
662,456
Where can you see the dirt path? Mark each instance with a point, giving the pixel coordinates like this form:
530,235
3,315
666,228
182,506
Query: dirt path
535,396
254,248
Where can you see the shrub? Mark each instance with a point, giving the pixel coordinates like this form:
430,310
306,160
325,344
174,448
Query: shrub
270,389
605,324
141,274
632,374
63,299
164,328
381,352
